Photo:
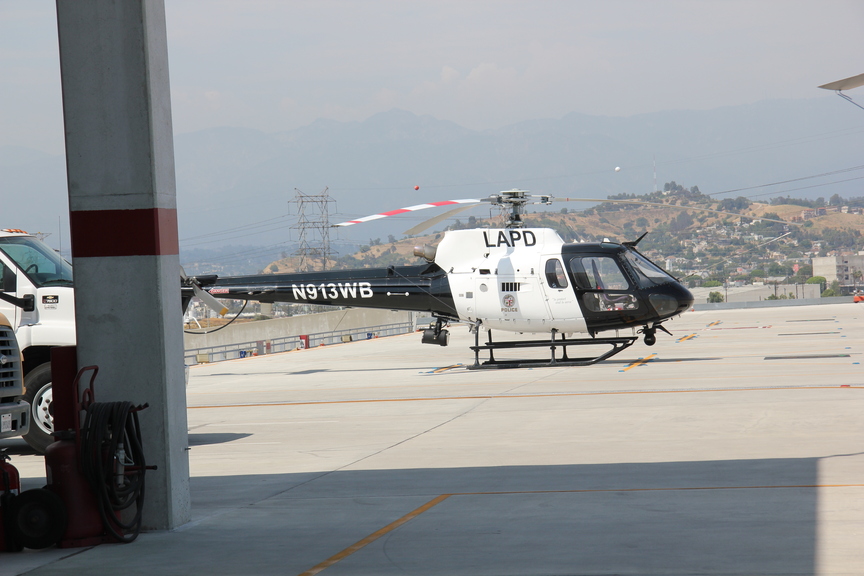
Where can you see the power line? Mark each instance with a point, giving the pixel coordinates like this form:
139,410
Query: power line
823,174
237,228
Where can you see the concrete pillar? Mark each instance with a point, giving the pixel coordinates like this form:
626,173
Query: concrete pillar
123,221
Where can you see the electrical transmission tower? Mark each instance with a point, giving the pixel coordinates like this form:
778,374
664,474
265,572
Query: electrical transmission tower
313,223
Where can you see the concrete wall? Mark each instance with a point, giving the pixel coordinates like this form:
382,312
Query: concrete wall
840,268
772,303
752,293
348,319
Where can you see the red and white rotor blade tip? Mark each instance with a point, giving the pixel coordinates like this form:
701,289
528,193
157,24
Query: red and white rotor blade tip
408,209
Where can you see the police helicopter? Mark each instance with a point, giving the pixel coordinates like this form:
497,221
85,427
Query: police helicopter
512,279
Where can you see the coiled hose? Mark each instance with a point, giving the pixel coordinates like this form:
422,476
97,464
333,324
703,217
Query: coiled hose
112,460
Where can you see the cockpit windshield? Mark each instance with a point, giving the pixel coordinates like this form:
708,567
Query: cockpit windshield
647,273
40,264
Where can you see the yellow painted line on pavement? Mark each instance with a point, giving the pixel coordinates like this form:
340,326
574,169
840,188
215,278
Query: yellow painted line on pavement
639,362
374,536
435,501
445,369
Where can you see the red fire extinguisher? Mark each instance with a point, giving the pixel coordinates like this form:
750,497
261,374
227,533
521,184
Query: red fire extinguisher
10,486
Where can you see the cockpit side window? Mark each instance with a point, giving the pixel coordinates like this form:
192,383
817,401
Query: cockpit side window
605,284
555,275
599,273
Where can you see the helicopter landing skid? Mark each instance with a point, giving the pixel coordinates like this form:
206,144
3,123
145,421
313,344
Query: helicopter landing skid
618,344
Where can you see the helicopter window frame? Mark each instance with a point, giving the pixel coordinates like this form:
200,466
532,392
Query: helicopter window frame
556,277
647,273
611,272
604,294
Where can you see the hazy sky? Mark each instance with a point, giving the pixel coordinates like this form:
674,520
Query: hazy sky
276,65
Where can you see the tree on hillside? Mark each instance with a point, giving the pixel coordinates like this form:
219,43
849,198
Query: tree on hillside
757,273
821,280
734,204
837,238
681,222
777,269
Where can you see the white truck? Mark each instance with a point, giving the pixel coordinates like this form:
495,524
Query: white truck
36,297
14,412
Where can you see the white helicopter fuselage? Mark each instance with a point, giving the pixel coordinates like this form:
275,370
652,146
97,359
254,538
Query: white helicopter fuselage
498,278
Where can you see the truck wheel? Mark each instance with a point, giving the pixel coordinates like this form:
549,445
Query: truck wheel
39,394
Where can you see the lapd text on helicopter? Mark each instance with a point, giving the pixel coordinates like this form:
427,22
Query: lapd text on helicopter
511,238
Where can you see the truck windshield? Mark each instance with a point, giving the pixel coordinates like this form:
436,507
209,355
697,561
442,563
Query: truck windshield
42,265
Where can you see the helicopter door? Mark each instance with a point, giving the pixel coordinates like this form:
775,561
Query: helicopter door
604,290
560,298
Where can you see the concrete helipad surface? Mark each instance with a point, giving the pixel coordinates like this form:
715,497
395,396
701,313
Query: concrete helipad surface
734,447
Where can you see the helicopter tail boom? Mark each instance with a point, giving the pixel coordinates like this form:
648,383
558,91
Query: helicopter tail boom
415,288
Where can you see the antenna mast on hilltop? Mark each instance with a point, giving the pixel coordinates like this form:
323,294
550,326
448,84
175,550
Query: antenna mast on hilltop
655,173
313,222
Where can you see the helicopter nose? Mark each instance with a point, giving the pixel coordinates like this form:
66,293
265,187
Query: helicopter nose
685,299
671,300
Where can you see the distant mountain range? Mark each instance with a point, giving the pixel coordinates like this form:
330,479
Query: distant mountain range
234,184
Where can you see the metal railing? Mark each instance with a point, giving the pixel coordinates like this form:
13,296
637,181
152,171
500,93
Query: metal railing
286,343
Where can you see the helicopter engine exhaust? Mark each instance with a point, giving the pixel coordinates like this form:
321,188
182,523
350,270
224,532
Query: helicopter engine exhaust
426,251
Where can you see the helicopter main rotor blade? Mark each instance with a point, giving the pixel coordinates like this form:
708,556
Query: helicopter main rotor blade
675,206
440,218
845,84
408,209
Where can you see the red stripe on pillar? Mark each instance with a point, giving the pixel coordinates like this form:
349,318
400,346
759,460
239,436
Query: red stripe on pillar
143,232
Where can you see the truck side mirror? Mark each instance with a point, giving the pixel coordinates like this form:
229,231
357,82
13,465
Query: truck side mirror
28,303
9,286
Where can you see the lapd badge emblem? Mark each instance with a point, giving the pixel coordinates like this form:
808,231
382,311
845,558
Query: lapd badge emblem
509,303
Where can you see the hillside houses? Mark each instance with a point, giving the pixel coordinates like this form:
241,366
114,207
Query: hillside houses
809,213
